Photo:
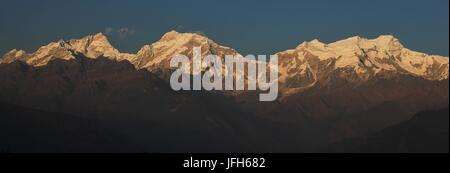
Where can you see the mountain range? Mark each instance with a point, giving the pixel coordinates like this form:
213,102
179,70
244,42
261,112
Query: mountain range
328,92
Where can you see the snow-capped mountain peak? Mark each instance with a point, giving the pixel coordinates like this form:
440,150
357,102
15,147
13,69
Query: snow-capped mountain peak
157,55
356,59
13,55
92,46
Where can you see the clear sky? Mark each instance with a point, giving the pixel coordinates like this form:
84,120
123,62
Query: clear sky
250,26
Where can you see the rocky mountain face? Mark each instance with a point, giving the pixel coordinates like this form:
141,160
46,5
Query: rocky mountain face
328,92
369,81
138,105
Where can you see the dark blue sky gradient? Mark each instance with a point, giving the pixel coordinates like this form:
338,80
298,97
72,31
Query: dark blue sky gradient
250,26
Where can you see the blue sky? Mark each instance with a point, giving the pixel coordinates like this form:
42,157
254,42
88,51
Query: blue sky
250,26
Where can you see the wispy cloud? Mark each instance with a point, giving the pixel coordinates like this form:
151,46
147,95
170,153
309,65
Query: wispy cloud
122,33
108,31
182,28
179,28
125,32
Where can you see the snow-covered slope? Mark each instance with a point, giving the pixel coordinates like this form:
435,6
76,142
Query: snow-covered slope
158,54
92,46
98,45
356,59
14,55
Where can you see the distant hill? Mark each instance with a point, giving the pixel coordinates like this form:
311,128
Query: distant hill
24,130
426,132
